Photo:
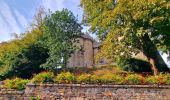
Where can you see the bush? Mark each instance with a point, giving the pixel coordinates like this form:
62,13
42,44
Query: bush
111,78
16,83
159,79
134,65
65,77
23,63
44,77
94,79
167,76
152,80
84,78
104,79
134,79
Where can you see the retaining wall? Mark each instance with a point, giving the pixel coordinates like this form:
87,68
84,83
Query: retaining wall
87,92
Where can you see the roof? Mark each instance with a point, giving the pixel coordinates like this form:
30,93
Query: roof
95,43
87,36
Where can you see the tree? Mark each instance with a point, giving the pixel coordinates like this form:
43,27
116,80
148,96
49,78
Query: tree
131,26
28,61
23,56
60,32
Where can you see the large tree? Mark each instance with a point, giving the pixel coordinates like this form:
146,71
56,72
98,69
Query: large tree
22,56
60,32
131,26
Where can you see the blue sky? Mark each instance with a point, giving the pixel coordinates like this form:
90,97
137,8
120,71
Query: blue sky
16,15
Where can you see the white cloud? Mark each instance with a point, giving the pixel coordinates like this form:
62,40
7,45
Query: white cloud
11,21
72,5
21,18
9,18
3,30
53,5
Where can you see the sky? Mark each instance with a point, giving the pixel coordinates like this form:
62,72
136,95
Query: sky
17,15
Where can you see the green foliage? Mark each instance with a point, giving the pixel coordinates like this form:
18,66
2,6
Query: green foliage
107,78
16,83
60,32
28,62
130,26
84,78
44,77
159,79
167,79
152,80
111,78
134,79
103,79
134,65
65,77
88,79
22,57
129,17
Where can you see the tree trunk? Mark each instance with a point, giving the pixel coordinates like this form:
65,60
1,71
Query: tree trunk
153,66
153,56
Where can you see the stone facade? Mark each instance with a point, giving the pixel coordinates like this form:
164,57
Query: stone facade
87,92
85,57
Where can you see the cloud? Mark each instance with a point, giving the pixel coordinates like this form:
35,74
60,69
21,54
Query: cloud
53,5
8,18
72,5
3,30
11,21
21,19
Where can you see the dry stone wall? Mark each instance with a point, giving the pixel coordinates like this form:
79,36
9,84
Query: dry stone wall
87,92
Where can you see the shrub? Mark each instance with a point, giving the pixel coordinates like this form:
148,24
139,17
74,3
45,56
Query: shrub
162,78
152,80
134,79
65,77
84,78
159,79
134,65
94,79
16,83
102,72
44,77
111,78
167,81
24,62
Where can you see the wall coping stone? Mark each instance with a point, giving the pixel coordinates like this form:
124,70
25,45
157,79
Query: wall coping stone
100,86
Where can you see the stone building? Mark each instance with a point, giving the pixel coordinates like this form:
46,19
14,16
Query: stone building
85,57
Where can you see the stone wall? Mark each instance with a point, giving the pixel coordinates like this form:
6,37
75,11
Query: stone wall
88,92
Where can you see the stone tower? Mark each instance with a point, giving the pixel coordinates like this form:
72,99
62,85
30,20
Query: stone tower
84,57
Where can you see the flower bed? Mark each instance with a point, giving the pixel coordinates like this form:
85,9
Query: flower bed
70,78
